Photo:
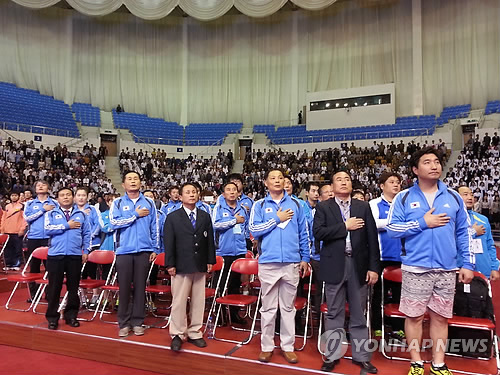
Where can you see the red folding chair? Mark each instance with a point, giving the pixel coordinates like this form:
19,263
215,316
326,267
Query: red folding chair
100,257
26,277
110,288
243,266
4,238
391,310
158,289
210,291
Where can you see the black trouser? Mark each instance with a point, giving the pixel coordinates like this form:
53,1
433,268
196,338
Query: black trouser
132,269
35,263
234,283
316,298
395,289
57,266
13,250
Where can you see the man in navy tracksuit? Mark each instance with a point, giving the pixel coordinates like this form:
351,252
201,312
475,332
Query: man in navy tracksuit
230,221
390,248
279,224
134,219
33,214
69,231
433,225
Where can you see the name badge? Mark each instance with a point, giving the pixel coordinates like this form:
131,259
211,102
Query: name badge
477,246
237,229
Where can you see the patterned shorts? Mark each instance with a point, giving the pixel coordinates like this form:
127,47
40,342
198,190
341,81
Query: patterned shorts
434,290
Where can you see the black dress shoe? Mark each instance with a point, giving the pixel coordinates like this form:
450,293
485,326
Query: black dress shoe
200,343
329,366
53,325
176,344
73,323
367,366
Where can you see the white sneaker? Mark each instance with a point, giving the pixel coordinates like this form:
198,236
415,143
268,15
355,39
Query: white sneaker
138,330
123,332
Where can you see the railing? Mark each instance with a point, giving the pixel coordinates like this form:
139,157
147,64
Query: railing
35,129
178,142
355,136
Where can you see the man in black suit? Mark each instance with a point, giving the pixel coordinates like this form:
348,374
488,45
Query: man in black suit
350,261
189,255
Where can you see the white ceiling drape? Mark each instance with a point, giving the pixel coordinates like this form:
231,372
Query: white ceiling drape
204,10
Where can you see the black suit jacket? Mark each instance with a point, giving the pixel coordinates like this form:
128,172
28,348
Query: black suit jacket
329,227
188,249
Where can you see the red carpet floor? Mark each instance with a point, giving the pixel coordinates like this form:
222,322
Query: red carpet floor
18,361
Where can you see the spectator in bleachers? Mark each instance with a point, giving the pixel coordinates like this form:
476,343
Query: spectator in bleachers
119,108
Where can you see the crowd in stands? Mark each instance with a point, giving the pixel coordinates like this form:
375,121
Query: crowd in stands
364,164
478,167
22,163
160,171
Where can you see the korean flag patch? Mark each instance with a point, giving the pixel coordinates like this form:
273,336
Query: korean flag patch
58,216
414,205
269,209
225,214
126,208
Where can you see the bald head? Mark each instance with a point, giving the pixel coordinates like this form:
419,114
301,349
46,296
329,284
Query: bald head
466,194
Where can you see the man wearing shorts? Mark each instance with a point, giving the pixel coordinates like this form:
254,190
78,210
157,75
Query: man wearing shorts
432,223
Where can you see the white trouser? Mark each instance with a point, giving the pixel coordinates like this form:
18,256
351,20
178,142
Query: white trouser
278,282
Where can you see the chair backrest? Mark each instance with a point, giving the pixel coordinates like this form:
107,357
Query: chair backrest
249,255
3,239
393,273
102,256
219,263
41,253
160,260
245,266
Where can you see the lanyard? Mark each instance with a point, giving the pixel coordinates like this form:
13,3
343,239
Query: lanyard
342,211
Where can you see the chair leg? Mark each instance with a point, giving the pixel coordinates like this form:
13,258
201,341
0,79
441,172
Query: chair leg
38,297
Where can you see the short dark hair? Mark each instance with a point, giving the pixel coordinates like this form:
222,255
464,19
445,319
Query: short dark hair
127,173
266,174
322,186
186,184
309,184
357,191
386,175
229,183
341,170
65,188
173,187
415,158
196,185
235,176
84,188
148,191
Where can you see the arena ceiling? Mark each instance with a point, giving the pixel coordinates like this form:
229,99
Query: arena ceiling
204,10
